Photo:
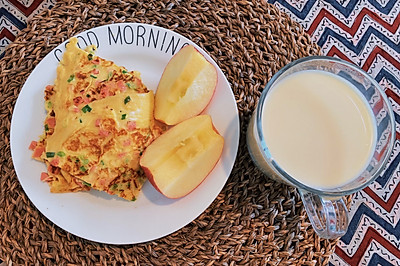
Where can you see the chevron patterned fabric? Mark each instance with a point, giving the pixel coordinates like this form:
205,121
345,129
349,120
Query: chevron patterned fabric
365,32
14,15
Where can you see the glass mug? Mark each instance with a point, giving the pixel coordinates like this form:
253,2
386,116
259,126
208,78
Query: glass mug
325,206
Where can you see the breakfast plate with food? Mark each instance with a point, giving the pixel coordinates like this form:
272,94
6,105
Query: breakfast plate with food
124,133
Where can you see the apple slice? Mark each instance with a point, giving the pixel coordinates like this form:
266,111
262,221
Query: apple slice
179,160
185,88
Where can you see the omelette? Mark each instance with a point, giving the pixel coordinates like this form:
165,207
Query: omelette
99,120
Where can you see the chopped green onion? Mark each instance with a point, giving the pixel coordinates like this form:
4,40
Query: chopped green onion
110,74
46,127
148,136
123,117
71,78
88,95
127,99
87,108
82,168
90,57
93,76
124,71
129,85
102,162
80,120
50,154
134,199
86,183
129,184
49,104
114,187
61,153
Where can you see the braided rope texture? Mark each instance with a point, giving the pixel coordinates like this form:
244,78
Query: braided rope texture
253,221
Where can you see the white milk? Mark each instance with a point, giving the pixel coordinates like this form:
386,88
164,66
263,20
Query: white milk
318,128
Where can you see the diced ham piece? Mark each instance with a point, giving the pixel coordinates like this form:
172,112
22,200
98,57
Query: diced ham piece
105,91
86,100
50,169
127,142
103,132
97,122
38,151
121,85
55,162
95,71
102,182
44,177
138,83
93,169
131,125
51,122
78,100
33,145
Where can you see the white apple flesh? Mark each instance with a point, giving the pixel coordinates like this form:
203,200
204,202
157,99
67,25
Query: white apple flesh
180,159
185,88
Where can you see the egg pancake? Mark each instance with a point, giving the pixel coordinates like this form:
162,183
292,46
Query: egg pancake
99,120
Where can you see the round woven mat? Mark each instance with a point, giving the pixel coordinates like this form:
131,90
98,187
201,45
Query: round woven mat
254,220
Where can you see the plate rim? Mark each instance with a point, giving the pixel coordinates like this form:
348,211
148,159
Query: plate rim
209,202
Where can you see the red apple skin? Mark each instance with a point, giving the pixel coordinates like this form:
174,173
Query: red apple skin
150,177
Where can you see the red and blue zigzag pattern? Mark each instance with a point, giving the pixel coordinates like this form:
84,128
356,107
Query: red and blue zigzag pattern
13,17
367,33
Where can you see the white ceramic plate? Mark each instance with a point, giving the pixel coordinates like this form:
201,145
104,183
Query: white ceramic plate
95,215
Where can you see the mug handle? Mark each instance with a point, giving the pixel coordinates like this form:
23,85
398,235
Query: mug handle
329,217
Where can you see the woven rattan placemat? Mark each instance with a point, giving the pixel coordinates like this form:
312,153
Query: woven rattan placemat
254,220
